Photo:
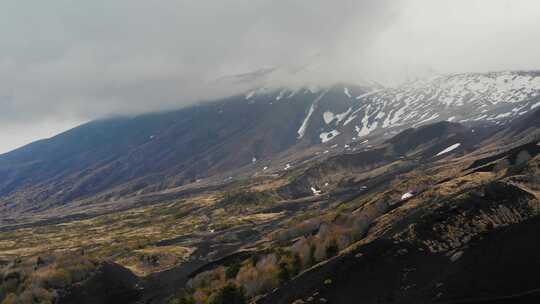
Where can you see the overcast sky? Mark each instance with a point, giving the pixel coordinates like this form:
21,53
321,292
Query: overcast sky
64,62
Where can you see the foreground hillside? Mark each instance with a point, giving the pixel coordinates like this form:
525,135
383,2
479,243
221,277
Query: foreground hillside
445,245
439,213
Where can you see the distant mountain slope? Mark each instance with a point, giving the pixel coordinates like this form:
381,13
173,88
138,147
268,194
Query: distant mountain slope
422,144
154,151
114,158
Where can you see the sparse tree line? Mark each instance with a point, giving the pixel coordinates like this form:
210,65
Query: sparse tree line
299,247
302,246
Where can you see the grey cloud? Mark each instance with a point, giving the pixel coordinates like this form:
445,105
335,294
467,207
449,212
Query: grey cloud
96,57
73,61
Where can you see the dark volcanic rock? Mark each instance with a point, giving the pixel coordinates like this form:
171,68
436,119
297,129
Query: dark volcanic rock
111,284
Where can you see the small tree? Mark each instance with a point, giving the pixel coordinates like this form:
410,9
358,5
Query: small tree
523,157
332,249
182,300
254,259
283,275
501,165
232,270
11,298
296,264
312,250
229,294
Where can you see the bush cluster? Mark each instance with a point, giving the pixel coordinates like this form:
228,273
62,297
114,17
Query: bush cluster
42,279
303,245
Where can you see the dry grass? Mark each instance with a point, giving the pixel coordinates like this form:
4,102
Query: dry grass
154,259
106,236
37,280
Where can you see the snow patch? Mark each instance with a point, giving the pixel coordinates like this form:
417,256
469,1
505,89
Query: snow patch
456,256
250,94
281,95
293,93
303,127
329,116
432,117
449,149
346,91
341,116
315,191
366,130
351,118
480,117
328,136
367,94
503,115
407,196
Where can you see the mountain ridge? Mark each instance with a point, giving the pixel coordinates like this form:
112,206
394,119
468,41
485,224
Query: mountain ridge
266,128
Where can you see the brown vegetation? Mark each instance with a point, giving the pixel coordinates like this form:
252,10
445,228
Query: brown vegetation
42,279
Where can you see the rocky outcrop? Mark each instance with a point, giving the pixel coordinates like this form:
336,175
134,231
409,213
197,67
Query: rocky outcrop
456,221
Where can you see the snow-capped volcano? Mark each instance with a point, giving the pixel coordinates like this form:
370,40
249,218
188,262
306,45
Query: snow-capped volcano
263,130
354,112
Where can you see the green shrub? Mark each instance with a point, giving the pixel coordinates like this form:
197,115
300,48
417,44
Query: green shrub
37,280
245,198
254,259
296,266
182,300
11,298
312,250
332,249
229,294
57,279
283,275
232,271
